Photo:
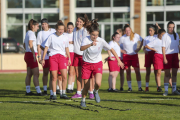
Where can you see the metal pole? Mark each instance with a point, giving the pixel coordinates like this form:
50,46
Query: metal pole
1,36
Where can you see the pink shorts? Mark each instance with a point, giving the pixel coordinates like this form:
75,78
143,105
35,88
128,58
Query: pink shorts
89,69
149,59
57,62
113,65
72,58
78,61
158,61
131,60
29,59
46,64
173,61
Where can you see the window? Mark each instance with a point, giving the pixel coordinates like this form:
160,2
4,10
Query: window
115,27
102,3
52,17
107,33
155,2
121,3
88,14
15,31
173,2
148,25
174,16
32,3
121,17
155,16
30,16
14,3
103,17
14,18
83,3
51,3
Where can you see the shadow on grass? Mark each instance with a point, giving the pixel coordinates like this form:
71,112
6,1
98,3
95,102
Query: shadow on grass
165,98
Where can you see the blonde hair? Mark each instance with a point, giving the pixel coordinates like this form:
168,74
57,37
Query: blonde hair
132,33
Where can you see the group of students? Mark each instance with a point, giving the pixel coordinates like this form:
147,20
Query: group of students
80,48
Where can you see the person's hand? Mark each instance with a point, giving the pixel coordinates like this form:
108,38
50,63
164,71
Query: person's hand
165,61
137,50
69,62
123,51
94,43
105,60
42,62
39,59
120,64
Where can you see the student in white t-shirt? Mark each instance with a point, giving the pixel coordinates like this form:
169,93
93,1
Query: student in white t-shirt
30,57
170,50
41,37
130,57
92,60
58,45
156,46
79,33
149,54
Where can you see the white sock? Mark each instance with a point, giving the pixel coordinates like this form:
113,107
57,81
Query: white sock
139,84
38,89
83,99
63,91
72,85
173,86
54,93
95,90
147,84
129,84
28,90
45,87
166,86
90,92
57,87
69,87
51,92
79,92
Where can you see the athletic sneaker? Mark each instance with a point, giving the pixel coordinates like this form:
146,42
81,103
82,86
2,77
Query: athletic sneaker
91,96
115,90
176,93
39,94
140,89
50,97
45,93
109,90
57,92
165,93
54,97
30,93
97,98
159,89
121,89
64,96
69,91
147,89
83,104
129,90
76,96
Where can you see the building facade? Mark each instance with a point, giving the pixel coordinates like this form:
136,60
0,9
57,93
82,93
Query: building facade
111,14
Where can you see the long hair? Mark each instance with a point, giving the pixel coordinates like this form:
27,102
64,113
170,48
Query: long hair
171,22
92,26
84,18
155,28
60,23
31,23
132,33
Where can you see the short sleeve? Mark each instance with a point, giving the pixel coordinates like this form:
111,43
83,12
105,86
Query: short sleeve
85,33
67,42
177,36
144,42
139,38
39,38
106,46
164,40
49,41
111,44
84,41
151,44
32,36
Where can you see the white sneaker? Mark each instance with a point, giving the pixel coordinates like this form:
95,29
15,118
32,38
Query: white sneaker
165,93
175,92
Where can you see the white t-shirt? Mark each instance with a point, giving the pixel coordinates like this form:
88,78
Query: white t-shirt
171,45
156,44
70,38
93,53
30,35
130,45
148,39
57,44
116,47
78,36
42,36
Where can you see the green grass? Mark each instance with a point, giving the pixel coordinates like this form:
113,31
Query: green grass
143,105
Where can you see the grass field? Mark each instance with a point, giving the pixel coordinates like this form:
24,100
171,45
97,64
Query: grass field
123,105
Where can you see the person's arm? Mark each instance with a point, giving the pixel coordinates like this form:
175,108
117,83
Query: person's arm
39,53
158,26
164,55
89,45
71,42
138,49
42,48
68,55
32,49
24,46
44,54
116,56
150,48
110,57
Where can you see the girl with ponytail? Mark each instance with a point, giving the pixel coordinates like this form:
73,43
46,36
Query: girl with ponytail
30,57
92,60
58,45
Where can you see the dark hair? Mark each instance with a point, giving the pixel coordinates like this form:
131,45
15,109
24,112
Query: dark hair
44,20
114,35
154,27
132,34
84,18
161,31
171,22
31,23
60,23
70,23
92,26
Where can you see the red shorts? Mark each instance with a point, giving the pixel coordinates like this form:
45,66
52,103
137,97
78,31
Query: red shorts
131,60
29,59
149,58
113,65
158,61
78,61
89,69
72,58
57,62
46,64
173,61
